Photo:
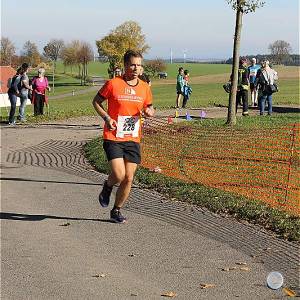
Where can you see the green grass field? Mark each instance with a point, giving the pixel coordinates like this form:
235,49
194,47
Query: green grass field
207,90
100,69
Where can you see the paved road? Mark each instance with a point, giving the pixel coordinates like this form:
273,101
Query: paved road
80,92
166,245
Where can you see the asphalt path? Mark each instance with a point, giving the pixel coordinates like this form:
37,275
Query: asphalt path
57,243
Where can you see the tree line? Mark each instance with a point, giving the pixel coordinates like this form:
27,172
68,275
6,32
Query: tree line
78,54
280,54
74,54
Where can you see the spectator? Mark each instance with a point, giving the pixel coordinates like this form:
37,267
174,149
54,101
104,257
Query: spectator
187,90
13,93
117,72
242,86
265,78
40,85
179,86
23,88
253,69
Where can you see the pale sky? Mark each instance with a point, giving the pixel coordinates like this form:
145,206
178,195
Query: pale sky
203,28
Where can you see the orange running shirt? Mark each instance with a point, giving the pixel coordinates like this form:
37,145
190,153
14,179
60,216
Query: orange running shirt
125,103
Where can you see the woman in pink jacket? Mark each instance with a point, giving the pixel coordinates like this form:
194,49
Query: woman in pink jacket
40,85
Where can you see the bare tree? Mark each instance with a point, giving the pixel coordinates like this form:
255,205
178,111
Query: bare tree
280,51
30,54
69,55
52,51
85,55
241,7
7,52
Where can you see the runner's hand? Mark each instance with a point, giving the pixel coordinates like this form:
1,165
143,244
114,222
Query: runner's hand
111,124
149,111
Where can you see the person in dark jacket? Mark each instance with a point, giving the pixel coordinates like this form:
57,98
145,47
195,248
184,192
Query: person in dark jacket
243,86
13,93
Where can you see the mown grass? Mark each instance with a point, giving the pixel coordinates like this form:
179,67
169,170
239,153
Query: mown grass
100,69
225,203
73,106
210,94
253,122
204,94
63,83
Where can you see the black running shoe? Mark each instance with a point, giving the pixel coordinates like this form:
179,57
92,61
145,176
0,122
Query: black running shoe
105,195
117,217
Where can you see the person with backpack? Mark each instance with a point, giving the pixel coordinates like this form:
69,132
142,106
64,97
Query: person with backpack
265,83
39,98
23,87
12,95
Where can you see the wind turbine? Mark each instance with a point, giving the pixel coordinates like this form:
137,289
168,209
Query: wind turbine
184,54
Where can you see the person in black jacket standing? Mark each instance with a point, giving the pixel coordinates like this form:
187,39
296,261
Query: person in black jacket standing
243,86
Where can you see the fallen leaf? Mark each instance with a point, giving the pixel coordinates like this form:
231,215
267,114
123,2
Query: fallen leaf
65,224
99,275
289,292
206,285
241,263
132,255
229,269
245,269
169,294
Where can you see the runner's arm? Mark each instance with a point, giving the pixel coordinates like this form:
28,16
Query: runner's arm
149,110
97,103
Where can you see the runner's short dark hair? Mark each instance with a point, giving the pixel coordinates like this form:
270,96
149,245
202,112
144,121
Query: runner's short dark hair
131,53
180,69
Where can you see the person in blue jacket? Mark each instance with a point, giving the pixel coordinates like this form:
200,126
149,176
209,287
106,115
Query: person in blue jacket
252,71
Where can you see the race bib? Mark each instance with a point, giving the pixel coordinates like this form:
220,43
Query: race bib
128,125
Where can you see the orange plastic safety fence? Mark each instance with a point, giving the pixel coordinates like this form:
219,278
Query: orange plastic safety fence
259,163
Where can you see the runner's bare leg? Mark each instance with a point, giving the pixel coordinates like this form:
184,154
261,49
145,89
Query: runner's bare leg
117,174
125,185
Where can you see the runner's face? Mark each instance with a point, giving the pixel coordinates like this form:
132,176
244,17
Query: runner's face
133,67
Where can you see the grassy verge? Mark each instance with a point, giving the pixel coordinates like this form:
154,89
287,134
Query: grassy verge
68,107
210,94
283,224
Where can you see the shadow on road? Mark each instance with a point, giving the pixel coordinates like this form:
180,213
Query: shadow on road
27,217
282,109
46,181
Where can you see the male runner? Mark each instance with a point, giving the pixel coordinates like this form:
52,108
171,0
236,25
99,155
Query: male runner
127,97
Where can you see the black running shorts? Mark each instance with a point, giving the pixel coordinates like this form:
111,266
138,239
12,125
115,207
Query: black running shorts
130,151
